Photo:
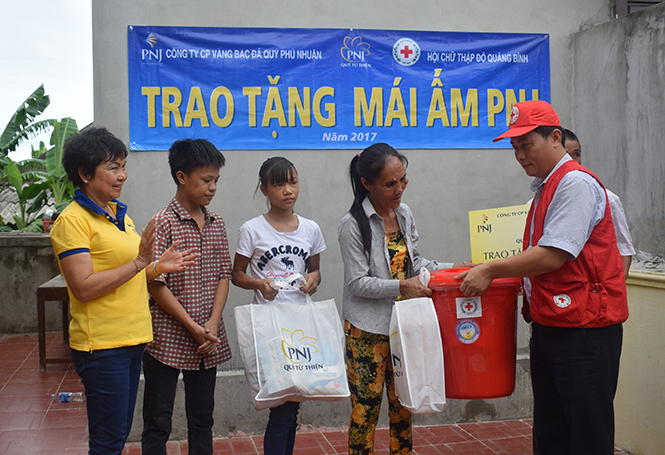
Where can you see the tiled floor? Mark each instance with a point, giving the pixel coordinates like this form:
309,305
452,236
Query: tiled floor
31,422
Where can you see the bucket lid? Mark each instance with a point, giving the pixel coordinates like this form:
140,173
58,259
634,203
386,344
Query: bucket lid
444,279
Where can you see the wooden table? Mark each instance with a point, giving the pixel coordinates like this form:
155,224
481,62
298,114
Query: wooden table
54,290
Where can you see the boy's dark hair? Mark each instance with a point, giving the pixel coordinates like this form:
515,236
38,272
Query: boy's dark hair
545,132
187,155
88,149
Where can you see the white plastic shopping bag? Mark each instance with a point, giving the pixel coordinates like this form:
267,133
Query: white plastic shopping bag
246,341
417,355
292,352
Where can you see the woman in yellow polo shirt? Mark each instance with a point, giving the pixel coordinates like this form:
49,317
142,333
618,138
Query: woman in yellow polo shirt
106,264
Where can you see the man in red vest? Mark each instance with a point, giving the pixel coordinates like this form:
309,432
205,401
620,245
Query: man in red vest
575,285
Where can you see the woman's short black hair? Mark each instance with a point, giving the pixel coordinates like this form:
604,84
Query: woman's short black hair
187,155
88,149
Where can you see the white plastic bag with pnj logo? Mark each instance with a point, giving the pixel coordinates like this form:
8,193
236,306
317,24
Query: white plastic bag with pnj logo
292,351
417,356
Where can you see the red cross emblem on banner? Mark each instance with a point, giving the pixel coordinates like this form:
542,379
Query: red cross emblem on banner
405,51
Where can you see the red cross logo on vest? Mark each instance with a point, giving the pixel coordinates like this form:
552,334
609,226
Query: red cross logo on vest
562,300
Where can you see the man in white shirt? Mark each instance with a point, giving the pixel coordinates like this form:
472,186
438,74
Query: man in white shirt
577,294
624,241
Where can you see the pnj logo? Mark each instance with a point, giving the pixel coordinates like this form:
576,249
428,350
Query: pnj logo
354,49
152,53
484,227
297,347
151,39
406,52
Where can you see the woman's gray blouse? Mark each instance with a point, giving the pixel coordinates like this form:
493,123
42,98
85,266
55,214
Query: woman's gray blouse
369,289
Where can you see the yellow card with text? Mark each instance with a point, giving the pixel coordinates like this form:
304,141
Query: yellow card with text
497,233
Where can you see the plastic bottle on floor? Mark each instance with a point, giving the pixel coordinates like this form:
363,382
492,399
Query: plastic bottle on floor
65,397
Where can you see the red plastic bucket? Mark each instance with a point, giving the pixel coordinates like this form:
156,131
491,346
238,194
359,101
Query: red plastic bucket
478,334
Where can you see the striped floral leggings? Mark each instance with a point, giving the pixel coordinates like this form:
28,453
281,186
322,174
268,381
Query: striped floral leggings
369,368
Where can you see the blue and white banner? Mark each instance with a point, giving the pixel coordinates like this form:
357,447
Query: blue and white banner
259,88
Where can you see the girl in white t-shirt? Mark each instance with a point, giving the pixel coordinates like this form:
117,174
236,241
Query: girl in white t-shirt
276,245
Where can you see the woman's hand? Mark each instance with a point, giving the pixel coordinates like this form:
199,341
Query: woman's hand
145,247
172,261
413,288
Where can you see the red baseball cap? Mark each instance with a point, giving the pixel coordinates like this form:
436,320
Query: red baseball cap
529,115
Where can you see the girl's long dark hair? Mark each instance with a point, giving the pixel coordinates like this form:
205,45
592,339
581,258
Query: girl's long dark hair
368,165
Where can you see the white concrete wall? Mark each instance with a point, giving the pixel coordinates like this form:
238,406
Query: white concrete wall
618,112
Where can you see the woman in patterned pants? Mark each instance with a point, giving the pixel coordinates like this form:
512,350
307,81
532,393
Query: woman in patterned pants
378,240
